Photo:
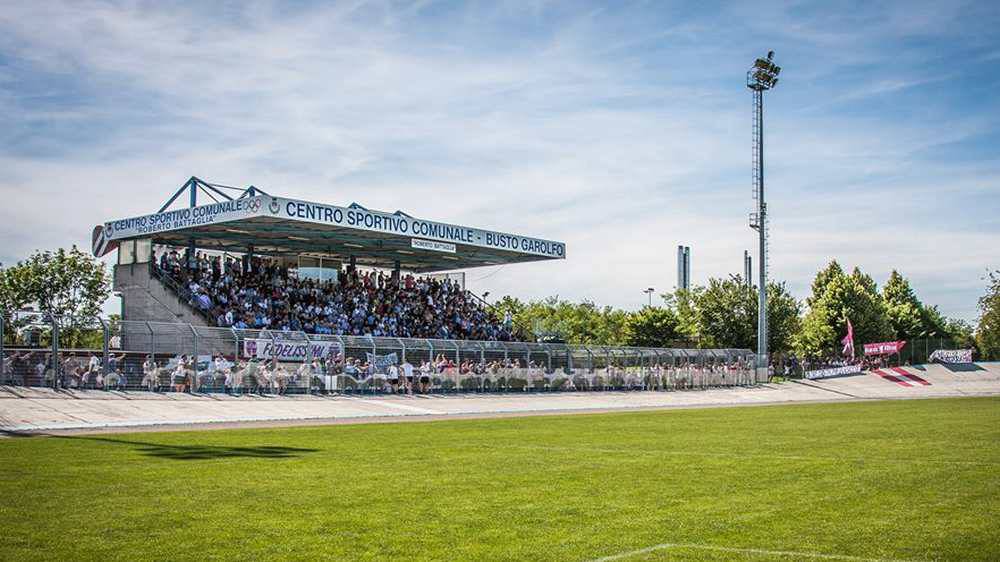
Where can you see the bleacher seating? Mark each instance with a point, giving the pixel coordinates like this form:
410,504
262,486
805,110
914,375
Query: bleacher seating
269,296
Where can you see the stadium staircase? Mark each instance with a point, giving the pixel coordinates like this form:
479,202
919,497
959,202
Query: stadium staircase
150,297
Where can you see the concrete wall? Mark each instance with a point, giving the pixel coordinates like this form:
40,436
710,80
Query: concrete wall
146,299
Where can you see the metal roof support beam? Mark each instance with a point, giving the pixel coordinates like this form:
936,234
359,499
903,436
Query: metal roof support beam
187,185
209,188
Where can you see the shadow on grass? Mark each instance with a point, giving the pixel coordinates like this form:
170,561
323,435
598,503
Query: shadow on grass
199,452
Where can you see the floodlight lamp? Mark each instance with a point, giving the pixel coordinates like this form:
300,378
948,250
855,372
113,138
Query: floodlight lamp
770,55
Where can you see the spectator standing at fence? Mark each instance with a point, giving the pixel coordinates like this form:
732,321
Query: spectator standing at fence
425,376
93,370
407,369
116,377
42,370
180,374
17,367
393,376
72,371
151,374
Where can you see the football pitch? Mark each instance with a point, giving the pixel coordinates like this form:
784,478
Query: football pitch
896,480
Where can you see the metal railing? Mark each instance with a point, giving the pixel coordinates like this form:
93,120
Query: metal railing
39,350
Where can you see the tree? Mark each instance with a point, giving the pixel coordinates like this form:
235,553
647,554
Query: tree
580,323
727,314
724,314
823,278
904,311
988,334
63,283
784,318
685,303
844,297
514,307
961,333
13,291
651,327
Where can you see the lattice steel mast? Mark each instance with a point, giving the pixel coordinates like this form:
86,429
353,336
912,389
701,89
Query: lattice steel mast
762,76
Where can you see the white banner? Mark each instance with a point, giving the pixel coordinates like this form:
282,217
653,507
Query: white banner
263,348
345,217
951,356
382,362
832,372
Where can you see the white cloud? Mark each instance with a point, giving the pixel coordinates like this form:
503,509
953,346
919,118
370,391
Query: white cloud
533,119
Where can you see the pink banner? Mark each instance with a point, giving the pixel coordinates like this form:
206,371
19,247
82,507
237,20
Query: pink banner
884,348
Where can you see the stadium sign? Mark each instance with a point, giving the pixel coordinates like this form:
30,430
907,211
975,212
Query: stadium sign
403,225
148,225
432,245
261,348
355,218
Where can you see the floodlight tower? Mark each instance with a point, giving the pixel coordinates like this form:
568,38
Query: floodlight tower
762,76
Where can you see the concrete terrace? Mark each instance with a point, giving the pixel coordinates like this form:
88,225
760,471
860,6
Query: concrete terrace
46,410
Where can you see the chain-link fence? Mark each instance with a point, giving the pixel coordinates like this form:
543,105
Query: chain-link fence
39,350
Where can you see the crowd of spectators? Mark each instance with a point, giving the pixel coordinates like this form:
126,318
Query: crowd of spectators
265,295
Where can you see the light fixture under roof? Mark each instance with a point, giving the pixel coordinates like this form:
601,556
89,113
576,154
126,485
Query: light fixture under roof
350,245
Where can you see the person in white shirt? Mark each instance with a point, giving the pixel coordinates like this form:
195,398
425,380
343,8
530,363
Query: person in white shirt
180,374
305,374
93,370
425,376
281,378
264,377
408,376
151,374
220,370
393,376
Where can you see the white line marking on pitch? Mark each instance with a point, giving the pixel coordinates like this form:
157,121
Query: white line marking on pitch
406,407
742,456
783,553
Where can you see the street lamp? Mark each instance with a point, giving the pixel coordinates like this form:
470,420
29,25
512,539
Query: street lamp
762,76
649,293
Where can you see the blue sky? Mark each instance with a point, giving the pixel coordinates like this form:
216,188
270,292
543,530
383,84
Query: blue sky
622,128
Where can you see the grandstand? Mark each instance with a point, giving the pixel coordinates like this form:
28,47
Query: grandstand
255,293
365,263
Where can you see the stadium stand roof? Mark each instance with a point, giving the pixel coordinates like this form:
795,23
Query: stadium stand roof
256,222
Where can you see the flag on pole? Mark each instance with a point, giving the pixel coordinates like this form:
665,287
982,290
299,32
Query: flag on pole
848,340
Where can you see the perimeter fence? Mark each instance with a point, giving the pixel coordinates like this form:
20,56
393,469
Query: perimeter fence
41,350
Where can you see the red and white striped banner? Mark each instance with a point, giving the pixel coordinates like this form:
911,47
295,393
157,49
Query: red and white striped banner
884,348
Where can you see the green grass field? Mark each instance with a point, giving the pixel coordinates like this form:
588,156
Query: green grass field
908,480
